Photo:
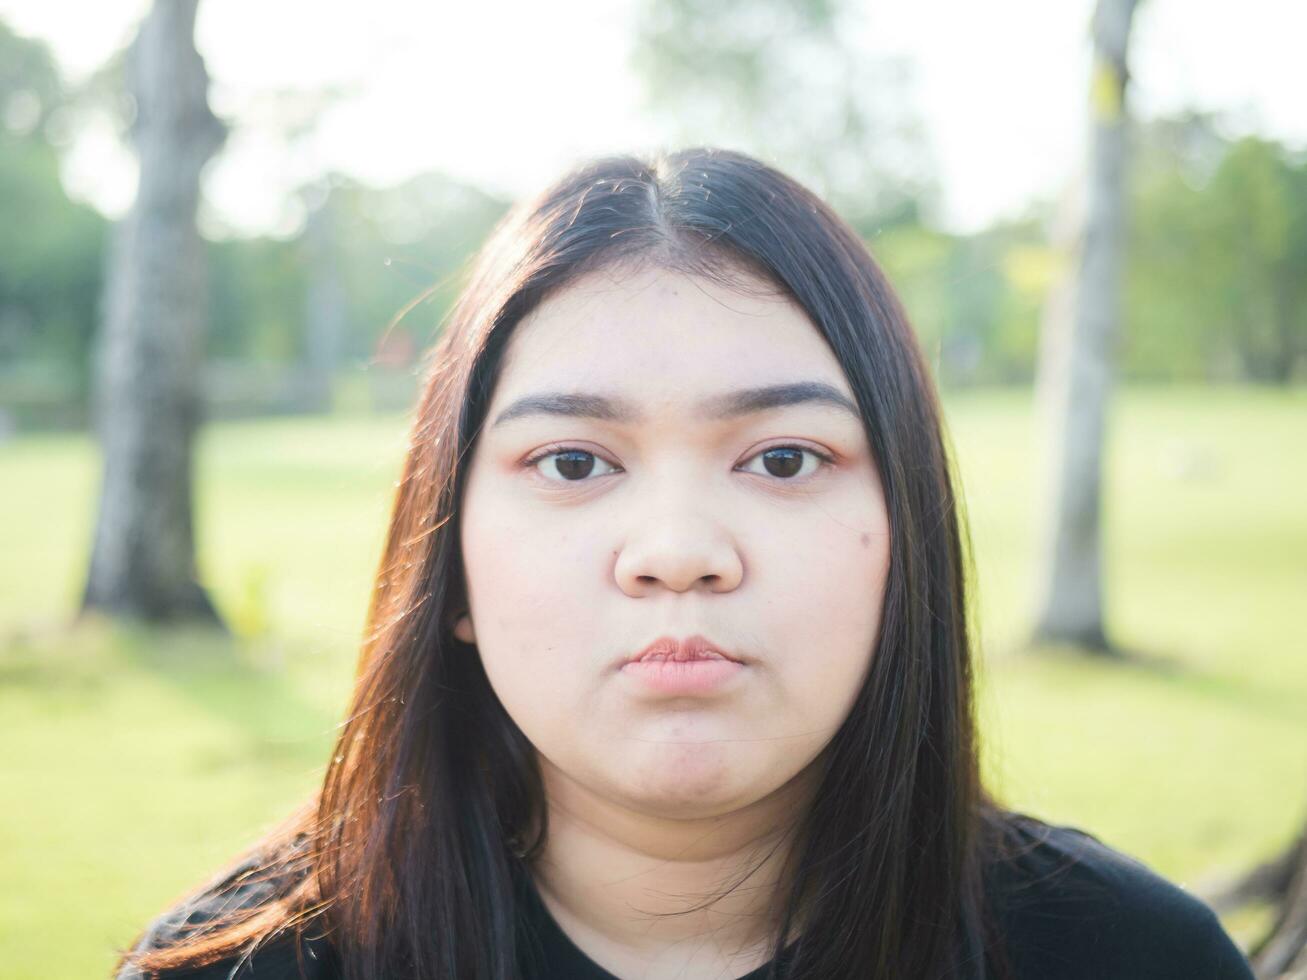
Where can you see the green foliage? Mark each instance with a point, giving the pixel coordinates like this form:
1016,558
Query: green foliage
1217,282
30,88
974,300
388,247
256,299
50,247
50,252
400,243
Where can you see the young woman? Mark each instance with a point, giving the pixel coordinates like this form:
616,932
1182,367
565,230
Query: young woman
667,670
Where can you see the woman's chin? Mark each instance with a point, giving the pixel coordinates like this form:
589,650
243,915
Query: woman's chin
689,781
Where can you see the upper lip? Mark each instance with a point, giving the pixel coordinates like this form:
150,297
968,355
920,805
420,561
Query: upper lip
690,648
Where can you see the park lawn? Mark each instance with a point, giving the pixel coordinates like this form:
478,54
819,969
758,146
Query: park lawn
135,763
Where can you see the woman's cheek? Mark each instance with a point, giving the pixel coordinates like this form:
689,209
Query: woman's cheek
835,607
534,614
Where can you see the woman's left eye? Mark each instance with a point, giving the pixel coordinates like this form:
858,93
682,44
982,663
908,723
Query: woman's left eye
786,463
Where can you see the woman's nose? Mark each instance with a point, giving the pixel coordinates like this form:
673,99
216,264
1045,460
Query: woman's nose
678,549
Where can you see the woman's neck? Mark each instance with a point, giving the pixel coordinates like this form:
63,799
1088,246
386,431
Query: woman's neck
609,875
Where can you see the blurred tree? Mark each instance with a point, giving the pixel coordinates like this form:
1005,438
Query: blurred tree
30,86
50,247
390,250
1259,204
256,292
1171,333
1077,361
973,299
783,81
405,247
143,557
293,117
1217,286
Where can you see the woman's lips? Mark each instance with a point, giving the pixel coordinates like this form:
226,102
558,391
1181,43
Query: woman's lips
696,647
680,677
693,666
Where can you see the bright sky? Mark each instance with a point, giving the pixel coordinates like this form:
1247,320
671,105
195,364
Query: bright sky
506,95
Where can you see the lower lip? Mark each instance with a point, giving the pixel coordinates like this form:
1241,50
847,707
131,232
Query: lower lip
683,676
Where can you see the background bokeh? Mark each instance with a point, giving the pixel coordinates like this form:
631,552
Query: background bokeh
366,160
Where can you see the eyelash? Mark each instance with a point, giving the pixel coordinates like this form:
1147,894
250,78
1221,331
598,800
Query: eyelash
826,459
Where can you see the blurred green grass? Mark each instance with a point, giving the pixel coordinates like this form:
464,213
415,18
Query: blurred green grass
135,763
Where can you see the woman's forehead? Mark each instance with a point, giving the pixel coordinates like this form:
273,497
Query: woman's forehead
658,329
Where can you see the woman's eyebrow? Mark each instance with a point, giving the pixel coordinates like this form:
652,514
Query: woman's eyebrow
731,404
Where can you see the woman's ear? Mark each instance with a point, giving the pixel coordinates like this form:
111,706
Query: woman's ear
463,628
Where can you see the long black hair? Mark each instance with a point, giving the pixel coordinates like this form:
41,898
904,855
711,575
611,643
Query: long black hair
412,855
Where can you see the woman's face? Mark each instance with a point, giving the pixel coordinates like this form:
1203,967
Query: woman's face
639,495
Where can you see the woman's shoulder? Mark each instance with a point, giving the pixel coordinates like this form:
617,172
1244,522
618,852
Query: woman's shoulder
243,888
1071,906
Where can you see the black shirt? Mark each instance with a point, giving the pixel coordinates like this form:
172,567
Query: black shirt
1071,909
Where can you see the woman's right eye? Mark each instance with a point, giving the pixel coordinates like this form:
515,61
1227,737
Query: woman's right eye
571,465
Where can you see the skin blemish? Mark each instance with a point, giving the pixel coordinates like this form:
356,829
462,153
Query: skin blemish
866,539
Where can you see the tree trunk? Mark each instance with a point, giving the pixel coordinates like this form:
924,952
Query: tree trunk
1071,609
148,357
